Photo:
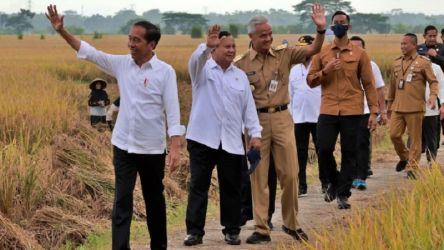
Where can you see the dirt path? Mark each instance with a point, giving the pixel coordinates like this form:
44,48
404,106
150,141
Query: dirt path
314,213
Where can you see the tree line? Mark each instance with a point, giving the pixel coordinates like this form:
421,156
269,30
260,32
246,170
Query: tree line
284,22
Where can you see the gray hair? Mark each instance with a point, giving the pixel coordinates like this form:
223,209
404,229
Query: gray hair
255,20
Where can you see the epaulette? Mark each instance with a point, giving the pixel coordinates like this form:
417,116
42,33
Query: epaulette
398,58
424,57
280,47
238,57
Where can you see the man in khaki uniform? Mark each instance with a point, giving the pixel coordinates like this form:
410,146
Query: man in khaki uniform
343,70
406,101
268,70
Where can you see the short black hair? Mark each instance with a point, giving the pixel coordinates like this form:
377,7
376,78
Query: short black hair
224,33
413,37
152,32
340,12
358,38
428,28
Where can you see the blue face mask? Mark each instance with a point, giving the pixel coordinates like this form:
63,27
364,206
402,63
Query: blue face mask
340,30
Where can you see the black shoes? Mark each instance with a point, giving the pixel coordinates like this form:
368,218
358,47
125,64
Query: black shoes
302,192
297,235
192,239
324,188
232,239
330,194
257,238
343,203
401,166
369,172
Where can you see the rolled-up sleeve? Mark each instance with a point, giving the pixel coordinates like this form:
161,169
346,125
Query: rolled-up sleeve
172,107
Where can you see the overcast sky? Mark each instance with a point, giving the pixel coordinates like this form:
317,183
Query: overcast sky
110,7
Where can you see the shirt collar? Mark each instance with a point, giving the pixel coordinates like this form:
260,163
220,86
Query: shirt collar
410,57
151,64
348,47
214,65
254,53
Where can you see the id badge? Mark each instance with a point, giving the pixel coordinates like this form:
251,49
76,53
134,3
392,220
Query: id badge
409,77
273,86
401,84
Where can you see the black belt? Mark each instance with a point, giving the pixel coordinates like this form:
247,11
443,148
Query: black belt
273,109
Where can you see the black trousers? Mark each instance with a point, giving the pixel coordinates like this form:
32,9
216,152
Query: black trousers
302,133
229,167
95,119
363,147
329,127
430,136
151,172
247,202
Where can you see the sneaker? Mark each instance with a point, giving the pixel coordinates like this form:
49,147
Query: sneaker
232,239
343,203
192,239
355,183
299,234
362,185
302,192
330,194
257,238
401,166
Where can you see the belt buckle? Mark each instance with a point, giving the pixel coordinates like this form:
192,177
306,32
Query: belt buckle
272,110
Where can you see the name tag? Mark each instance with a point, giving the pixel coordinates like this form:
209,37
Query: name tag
409,77
401,84
273,86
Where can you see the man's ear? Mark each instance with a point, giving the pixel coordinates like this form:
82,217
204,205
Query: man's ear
349,27
153,45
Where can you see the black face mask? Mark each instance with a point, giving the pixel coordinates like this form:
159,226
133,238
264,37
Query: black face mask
340,30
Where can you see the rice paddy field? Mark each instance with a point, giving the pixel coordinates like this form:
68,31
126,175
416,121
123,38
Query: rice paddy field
56,174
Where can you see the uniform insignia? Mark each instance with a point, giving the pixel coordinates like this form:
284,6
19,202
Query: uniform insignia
251,73
280,47
424,57
238,57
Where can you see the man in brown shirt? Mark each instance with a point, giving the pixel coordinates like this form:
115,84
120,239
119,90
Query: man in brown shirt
268,70
406,101
340,68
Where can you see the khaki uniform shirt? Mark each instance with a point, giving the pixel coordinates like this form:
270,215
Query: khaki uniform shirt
408,82
342,90
261,70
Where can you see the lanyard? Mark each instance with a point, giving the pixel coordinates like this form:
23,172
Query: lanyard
402,65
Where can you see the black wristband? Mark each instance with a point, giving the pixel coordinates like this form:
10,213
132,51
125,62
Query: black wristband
321,32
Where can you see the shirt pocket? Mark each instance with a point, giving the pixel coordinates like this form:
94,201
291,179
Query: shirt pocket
417,73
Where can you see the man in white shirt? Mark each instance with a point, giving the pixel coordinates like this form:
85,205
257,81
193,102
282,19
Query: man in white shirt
431,121
148,92
364,145
305,103
222,105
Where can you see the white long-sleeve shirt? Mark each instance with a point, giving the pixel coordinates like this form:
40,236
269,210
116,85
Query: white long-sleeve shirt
222,104
148,97
379,83
305,102
440,77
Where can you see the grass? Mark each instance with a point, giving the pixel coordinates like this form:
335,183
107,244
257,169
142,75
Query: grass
52,162
407,218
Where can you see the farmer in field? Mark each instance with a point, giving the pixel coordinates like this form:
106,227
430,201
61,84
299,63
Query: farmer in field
97,102
222,104
364,143
407,103
267,69
148,92
344,72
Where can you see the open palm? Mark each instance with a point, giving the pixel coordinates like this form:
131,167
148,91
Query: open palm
213,36
54,18
318,15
